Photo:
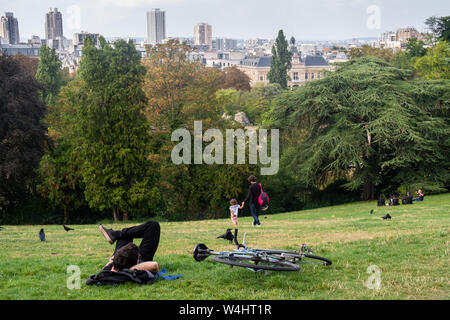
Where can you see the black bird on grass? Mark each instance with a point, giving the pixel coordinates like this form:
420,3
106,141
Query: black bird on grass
371,211
228,235
42,235
387,216
67,228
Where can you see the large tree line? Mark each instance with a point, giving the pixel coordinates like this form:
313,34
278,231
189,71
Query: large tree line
98,145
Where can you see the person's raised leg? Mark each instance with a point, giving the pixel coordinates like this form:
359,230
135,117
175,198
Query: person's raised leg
126,233
150,240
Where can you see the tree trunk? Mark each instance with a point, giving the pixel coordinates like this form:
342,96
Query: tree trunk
369,190
115,214
66,216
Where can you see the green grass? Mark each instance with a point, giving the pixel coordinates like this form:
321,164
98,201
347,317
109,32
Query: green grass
411,250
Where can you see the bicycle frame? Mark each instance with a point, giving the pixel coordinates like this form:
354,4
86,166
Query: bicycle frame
280,260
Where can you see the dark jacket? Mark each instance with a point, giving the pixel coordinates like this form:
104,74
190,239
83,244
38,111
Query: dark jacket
123,276
407,200
253,193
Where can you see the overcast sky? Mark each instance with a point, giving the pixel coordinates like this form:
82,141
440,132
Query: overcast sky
243,19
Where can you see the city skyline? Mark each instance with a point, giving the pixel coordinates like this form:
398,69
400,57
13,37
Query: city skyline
303,19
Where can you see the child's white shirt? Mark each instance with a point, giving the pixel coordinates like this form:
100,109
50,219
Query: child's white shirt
235,209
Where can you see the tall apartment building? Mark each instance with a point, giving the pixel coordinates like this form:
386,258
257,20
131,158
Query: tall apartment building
156,26
53,24
405,34
9,28
224,44
203,34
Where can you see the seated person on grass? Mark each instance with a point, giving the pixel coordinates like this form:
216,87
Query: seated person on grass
408,199
129,256
420,194
394,200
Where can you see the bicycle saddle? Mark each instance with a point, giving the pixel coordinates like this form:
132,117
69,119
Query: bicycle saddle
200,252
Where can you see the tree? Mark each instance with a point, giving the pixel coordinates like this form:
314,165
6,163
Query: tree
29,64
23,137
60,179
180,91
370,124
49,74
112,128
435,64
366,50
292,41
174,84
280,62
440,27
415,48
235,78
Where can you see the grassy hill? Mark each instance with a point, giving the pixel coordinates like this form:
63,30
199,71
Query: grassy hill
411,250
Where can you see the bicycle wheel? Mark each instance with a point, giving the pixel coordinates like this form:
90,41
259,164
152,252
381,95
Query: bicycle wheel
256,263
310,259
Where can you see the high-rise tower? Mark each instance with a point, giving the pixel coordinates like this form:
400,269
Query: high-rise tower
156,26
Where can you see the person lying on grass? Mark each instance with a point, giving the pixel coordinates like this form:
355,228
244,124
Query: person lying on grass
129,256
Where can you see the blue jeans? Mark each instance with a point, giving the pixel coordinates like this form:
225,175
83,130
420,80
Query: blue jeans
254,209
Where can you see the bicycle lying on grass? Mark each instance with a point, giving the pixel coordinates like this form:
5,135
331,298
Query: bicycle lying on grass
261,259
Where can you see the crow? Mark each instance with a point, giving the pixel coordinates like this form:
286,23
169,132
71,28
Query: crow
387,216
228,235
42,235
371,211
67,228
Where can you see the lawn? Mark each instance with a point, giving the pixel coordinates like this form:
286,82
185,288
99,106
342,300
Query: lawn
411,252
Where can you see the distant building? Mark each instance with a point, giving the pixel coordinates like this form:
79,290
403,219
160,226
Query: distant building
30,50
79,38
403,35
35,40
9,28
53,24
397,40
224,44
156,26
251,43
223,59
312,67
203,35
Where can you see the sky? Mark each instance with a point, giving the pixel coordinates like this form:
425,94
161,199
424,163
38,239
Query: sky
240,19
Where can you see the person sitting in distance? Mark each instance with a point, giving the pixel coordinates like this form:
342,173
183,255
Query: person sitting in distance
420,194
408,199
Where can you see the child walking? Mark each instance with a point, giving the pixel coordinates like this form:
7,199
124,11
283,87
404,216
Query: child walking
234,210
